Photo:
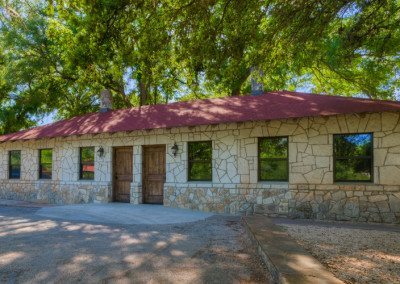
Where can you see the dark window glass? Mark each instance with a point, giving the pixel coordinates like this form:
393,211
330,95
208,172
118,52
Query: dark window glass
14,171
45,163
352,157
273,159
200,161
86,163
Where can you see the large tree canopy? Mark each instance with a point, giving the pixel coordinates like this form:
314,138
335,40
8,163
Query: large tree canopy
58,55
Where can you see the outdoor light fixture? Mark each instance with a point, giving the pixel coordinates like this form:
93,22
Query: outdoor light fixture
100,152
175,149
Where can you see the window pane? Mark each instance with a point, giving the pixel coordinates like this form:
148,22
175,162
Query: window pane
87,175
14,165
200,150
46,156
87,163
46,161
200,171
200,161
275,147
87,154
45,171
353,169
15,172
273,158
353,145
353,157
87,171
15,158
274,169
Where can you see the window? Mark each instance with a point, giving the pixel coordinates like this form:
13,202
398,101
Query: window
200,161
273,164
45,163
86,167
14,171
352,157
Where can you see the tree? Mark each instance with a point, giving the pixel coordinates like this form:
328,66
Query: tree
343,47
58,55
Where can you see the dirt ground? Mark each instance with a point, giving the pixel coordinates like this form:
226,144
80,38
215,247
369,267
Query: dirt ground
355,253
37,249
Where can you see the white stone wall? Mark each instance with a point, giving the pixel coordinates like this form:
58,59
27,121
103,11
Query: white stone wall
235,187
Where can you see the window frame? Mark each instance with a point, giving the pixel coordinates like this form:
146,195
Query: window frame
40,164
259,159
9,164
199,161
81,164
371,180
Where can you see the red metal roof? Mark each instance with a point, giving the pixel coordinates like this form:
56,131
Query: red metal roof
269,106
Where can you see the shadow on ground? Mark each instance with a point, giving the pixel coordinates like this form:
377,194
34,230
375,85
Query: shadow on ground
39,250
354,252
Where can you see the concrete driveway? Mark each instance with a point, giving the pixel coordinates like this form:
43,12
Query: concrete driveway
123,213
38,247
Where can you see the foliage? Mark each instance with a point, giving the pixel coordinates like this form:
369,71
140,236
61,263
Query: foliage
45,163
15,158
273,159
86,171
353,157
58,55
200,161
46,156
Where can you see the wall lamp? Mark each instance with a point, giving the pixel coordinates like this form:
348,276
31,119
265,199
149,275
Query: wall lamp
100,152
175,149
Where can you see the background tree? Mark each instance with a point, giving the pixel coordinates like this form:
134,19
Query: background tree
56,56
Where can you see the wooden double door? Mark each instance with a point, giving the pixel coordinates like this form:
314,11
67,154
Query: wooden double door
123,173
153,174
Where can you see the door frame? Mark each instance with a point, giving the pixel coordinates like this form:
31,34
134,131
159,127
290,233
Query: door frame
144,147
113,170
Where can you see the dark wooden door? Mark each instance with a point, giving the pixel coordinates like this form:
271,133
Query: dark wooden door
153,174
123,173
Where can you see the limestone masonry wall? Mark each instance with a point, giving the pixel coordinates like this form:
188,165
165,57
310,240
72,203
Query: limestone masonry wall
310,192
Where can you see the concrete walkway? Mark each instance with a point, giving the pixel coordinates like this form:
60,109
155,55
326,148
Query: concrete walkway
286,261
123,213
338,224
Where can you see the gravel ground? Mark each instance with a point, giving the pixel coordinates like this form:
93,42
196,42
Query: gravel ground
42,250
355,253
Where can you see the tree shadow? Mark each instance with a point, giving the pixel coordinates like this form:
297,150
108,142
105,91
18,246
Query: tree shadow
356,253
37,250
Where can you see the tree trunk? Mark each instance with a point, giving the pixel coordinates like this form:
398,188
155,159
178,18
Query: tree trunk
155,95
143,92
237,86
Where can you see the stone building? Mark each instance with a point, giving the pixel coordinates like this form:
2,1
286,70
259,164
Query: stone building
280,153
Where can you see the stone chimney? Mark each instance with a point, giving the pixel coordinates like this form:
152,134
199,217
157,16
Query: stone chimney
105,100
257,87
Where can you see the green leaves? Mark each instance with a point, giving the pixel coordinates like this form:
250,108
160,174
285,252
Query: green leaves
58,55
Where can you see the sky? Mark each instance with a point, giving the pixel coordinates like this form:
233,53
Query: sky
47,119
